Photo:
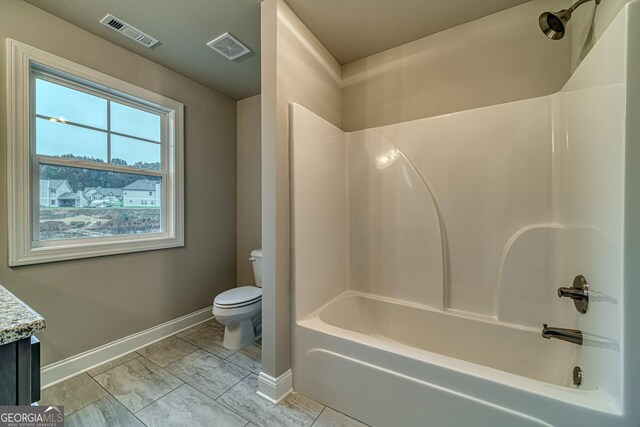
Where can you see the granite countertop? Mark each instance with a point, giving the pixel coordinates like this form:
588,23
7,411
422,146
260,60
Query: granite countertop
17,320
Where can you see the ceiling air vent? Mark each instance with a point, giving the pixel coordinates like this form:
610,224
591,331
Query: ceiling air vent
125,29
228,46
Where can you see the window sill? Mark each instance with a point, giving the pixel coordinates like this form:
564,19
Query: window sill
81,250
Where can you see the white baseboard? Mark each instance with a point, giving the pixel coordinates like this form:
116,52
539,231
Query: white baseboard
69,367
275,390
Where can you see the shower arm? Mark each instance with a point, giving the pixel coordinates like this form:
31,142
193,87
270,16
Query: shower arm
578,4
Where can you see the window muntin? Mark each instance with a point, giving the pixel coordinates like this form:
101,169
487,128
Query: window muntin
105,130
85,211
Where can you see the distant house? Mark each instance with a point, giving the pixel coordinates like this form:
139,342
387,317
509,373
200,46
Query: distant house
142,193
57,193
70,200
95,196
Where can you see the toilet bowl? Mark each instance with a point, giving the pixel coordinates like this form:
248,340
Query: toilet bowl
240,309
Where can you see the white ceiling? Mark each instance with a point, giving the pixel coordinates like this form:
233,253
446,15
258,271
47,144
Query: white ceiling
349,29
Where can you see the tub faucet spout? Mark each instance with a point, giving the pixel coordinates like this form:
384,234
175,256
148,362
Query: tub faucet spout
569,335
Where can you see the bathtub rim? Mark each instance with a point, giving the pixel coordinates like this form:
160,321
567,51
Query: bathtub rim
595,400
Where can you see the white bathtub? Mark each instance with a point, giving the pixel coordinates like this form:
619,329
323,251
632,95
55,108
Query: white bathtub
390,363
509,348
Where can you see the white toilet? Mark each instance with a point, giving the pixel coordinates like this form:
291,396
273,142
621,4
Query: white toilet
240,309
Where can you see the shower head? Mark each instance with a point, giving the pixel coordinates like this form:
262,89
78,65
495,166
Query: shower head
554,24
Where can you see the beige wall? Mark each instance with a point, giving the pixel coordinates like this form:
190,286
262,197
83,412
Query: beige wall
500,58
91,302
295,68
587,24
248,176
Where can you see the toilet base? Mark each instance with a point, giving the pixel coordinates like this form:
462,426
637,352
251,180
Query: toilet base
239,335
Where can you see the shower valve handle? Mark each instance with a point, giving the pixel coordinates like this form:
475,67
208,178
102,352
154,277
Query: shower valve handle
579,293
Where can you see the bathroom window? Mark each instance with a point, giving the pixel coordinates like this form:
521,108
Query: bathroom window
80,141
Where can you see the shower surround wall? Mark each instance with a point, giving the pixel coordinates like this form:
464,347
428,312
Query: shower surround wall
477,216
433,202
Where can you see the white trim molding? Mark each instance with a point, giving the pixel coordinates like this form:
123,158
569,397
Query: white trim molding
67,368
23,62
275,390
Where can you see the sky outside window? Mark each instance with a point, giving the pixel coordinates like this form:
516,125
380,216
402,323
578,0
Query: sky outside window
142,154
59,139
61,102
135,122
59,108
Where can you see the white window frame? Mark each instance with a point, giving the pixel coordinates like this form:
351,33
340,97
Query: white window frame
22,179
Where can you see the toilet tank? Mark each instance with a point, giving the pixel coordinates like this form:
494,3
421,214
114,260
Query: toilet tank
256,261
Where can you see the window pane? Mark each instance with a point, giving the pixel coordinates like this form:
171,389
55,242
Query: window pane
61,102
136,153
64,140
77,203
134,122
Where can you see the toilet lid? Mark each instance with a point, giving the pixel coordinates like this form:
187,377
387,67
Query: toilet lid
243,295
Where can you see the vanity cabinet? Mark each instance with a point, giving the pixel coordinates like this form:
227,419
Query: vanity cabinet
19,351
20,372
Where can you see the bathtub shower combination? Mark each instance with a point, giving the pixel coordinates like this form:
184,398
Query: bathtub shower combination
427,256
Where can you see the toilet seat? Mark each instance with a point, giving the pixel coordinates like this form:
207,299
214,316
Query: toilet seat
238,297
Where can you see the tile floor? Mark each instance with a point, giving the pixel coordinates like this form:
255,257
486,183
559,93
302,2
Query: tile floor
186,379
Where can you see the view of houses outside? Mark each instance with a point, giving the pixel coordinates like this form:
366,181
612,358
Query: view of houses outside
84,210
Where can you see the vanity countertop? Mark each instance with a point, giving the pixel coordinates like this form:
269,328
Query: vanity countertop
17,320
